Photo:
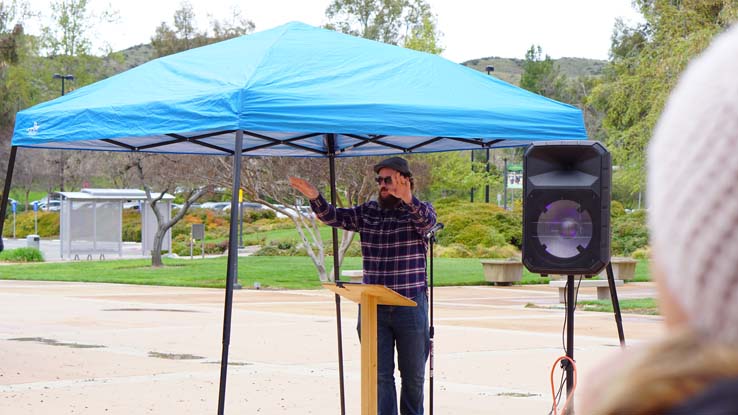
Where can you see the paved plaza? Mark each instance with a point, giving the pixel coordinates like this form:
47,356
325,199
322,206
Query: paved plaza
80,348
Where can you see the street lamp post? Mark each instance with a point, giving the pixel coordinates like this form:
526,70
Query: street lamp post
489,69
61,153
504,197
63,78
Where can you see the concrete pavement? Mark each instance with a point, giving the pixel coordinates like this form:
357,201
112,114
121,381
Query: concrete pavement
78,348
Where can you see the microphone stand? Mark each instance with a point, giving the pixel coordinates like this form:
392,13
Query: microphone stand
431,239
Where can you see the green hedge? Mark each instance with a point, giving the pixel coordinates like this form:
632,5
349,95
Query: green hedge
22,255
181,246
48,225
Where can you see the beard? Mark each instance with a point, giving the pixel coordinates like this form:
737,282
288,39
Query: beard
387,202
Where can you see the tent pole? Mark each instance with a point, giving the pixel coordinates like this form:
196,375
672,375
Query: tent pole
232,272
331,141
6,193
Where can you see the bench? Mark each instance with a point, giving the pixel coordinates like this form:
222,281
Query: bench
356,275
603,288
623,268
502,271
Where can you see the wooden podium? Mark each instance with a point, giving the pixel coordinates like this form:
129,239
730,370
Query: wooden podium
369,296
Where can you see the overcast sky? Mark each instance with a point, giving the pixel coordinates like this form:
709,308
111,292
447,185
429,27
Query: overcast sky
471,28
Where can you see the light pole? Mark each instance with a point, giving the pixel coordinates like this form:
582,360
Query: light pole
471,199
61,153
504,197
489,69
63,78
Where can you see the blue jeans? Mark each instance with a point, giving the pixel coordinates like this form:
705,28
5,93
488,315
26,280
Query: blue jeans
407,329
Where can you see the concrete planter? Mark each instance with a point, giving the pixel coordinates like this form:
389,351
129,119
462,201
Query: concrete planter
623,268
502,271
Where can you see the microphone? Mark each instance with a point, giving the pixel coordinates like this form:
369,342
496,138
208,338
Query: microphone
437,227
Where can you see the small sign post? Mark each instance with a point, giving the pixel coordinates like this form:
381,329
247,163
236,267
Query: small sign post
35,218
197,232
14,208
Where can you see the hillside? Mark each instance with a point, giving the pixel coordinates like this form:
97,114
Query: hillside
130,58
507,69
510,69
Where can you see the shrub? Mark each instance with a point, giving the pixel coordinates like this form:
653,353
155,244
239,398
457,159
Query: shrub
181,246
616,209
131,227
283,244
453,251
272,250
22,255
642,253
252,215
354,249
497,252
629,233
48,224
472,224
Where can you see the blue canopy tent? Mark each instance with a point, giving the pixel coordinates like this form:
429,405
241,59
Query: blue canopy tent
295,91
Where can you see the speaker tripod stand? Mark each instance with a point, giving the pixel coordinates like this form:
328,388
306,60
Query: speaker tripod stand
570,306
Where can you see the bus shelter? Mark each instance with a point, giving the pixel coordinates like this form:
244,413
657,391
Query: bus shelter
91,222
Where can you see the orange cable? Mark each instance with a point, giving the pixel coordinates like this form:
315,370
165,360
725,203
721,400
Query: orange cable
573,388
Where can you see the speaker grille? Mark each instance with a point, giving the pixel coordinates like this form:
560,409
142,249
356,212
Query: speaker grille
564,229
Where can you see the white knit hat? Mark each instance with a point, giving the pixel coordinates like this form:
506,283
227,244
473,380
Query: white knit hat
693,190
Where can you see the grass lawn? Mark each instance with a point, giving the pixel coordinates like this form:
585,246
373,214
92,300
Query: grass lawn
290,234
270,272
636,306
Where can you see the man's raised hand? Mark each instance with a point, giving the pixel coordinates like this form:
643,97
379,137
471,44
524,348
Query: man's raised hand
401,189
304,187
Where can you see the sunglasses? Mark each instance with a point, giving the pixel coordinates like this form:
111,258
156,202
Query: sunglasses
380,179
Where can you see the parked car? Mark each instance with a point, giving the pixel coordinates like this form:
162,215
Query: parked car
216,205
252,205
51,206
305,210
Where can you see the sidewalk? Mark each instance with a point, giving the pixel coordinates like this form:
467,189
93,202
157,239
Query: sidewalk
76,348
51,250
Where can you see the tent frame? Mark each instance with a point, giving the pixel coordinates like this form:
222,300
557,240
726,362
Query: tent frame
268,142
232,269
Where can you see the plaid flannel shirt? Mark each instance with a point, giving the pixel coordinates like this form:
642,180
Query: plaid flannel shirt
393,241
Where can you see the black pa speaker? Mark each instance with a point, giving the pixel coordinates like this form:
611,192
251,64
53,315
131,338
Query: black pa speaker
566,207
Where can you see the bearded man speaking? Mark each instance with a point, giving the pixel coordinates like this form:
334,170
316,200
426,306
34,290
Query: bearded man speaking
393,245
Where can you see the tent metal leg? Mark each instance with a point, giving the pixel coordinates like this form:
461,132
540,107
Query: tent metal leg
6,193
336,278
232,272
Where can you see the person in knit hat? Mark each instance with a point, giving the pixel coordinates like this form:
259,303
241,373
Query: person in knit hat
693,221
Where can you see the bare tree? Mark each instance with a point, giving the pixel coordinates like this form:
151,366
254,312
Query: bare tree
164,223
166,173
264,180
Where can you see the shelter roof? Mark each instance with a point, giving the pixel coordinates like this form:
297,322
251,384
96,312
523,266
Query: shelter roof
111,194
297,91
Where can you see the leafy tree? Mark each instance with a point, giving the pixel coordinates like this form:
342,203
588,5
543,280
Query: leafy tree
646,60
185,35
408,23
453,175
540,74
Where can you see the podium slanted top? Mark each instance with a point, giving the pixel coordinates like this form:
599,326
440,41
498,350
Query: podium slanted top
385,296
